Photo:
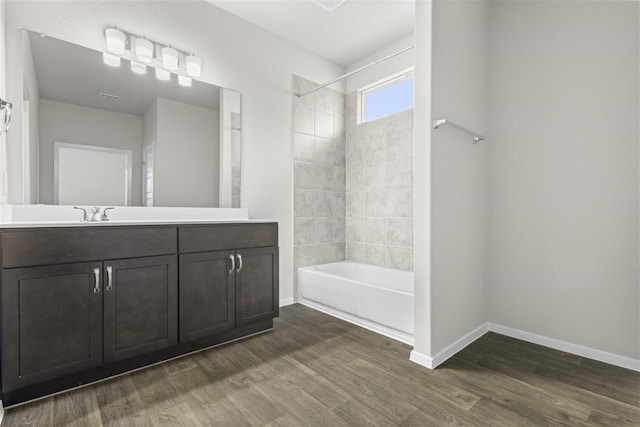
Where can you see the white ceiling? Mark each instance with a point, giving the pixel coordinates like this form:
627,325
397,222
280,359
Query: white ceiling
354,30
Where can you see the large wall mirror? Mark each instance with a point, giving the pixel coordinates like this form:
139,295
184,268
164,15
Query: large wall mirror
94,134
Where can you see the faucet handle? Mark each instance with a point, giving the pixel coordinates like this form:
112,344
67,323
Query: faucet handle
84,216
104,216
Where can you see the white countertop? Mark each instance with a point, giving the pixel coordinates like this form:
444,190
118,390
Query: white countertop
114,223
47,216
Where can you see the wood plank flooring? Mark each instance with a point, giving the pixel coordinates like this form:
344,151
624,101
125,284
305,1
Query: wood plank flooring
315,370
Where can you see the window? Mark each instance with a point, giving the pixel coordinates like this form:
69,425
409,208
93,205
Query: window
387,97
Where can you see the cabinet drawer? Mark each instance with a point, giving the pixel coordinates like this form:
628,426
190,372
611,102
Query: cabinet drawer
21,248
227,236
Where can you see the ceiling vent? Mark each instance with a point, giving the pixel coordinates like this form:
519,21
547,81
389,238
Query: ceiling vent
109,96
329,5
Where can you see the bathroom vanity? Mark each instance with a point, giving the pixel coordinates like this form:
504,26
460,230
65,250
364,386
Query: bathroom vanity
82,302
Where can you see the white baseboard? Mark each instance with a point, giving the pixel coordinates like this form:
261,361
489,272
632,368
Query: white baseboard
421,359
286,301
589,353
450,350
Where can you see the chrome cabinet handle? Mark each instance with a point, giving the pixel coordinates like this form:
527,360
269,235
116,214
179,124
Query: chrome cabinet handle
96,276
109,278
239,263
233,264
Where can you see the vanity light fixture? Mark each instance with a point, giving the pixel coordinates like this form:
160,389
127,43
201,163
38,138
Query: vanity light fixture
143,52
163,75
184,81
194,65
138,68
116,40
170,58
111,60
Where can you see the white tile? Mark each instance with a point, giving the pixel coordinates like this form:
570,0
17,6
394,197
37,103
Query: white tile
304,203
339,179
376,255
400,232
399,173
324,230
375,204
323,204
356,230
307,176
375,176
399,258
375,230
325,178
303,147
303,231
355,204
324,125
303,119
400,203
339,201
304,256
325,101
330,253
325,151
375,149
339,230
355,153
355,178
339,127
339,104
400,144
356,252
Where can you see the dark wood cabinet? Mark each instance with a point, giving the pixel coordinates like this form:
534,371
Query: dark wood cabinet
79,304
140,306
256,285
52,322
207,294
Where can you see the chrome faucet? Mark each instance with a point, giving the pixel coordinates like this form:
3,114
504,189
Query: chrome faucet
84,216
104,216
95,214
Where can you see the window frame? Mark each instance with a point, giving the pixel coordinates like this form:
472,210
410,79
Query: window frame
364,91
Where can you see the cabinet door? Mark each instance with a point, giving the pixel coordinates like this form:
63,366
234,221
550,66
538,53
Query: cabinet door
140,306
51,322
207,294
256,285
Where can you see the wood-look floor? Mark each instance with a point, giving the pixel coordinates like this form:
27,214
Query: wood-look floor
315,370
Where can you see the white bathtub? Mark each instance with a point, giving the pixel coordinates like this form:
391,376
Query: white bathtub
377,298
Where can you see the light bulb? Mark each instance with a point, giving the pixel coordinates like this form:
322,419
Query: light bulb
162,74
184,80
144,50
116,40
194,65
138,68
111,60
170,58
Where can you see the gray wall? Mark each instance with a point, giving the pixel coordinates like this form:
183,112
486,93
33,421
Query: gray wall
319,200
563,171
380,189
187,155
62,122
458,170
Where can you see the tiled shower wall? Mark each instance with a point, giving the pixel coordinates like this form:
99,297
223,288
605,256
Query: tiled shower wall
319,175
380,189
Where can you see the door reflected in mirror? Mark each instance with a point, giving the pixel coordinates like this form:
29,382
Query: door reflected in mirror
183,144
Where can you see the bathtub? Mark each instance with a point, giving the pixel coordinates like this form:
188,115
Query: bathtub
377,298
